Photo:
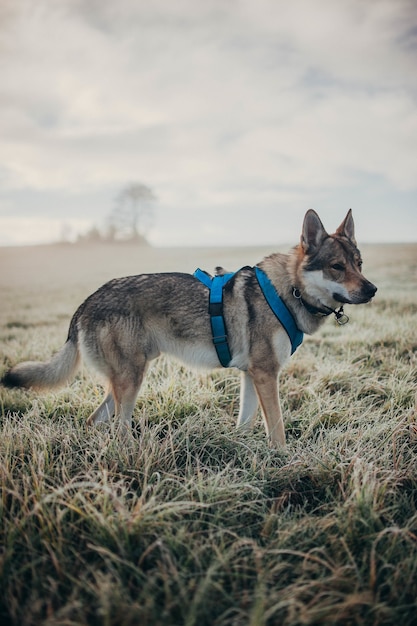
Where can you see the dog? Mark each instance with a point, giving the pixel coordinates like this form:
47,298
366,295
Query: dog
130,321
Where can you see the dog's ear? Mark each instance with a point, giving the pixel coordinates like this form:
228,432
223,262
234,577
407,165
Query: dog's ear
313,233
347,228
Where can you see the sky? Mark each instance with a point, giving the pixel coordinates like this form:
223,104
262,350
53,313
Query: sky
239,115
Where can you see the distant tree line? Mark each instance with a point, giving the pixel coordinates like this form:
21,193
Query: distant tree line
129,220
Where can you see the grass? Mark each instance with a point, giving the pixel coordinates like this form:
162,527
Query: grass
190,522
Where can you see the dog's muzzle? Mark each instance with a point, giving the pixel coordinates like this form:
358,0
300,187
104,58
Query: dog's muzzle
361,296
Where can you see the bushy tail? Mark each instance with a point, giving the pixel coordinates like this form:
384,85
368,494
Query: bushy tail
53,373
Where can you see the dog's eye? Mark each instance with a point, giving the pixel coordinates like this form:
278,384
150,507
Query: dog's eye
338,267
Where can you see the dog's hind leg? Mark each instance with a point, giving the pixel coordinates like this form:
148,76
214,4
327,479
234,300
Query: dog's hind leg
248,402
104,413
266,385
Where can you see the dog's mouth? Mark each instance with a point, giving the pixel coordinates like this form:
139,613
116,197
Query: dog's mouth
339,298
355,299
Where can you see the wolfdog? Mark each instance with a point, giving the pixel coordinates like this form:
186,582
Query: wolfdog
129,321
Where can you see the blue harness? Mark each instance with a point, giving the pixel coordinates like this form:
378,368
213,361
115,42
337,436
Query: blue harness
218,327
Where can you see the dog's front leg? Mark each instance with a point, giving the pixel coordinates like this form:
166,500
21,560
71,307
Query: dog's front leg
248,402
266,385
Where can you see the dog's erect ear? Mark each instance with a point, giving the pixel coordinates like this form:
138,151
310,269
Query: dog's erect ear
347,228
313,233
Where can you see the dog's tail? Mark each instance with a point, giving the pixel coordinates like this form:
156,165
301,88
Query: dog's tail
53,373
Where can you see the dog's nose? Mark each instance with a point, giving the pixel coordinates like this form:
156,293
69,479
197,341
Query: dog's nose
370,290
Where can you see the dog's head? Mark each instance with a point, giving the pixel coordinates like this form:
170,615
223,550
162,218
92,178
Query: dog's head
331,265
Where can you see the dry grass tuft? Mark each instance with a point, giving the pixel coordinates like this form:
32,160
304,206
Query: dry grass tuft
189,522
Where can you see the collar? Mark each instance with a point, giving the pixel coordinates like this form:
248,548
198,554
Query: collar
340,315
279,309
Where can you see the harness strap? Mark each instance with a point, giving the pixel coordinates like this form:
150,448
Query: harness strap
279,309
218,326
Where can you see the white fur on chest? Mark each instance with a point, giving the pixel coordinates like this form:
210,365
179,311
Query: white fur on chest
282,347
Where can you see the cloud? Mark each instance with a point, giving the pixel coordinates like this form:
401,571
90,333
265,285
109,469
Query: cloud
214,104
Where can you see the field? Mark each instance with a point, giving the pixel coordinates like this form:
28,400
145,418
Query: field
191,523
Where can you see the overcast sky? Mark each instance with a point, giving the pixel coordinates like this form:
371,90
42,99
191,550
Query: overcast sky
239,114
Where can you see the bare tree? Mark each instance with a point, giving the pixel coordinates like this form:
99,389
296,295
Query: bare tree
133,213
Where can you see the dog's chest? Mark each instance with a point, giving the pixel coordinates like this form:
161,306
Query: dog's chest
282,346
